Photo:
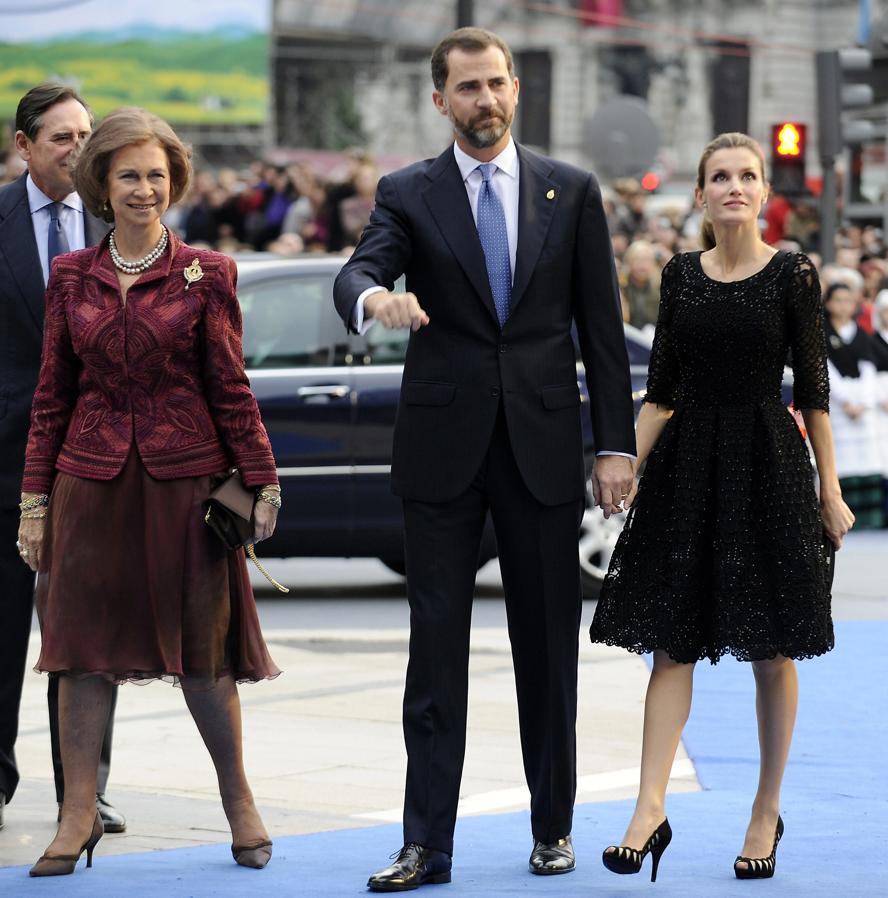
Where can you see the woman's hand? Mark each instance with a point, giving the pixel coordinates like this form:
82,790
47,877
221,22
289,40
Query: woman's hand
265,514
838,519
30,541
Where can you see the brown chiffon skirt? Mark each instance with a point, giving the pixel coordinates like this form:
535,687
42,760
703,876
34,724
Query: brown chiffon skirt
133,586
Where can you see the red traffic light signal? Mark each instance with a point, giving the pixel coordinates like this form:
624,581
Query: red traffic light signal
788,144
789,139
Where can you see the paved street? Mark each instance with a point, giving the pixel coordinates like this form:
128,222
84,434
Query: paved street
323,741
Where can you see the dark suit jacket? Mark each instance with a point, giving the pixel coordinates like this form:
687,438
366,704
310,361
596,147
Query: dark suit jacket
461,366
21,328
167,372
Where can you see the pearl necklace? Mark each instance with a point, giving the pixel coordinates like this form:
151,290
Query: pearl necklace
142,264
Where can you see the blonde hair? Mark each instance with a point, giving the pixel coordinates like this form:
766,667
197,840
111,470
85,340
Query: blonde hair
727,141
126,127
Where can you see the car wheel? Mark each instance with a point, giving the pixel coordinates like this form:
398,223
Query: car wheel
598,536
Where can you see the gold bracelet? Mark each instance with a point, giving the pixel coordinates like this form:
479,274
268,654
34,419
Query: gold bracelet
271,498
34,516
40,501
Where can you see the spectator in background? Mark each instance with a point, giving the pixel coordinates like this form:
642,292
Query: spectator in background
199,220
880,341
336,193
307,216
802,224
630,215
640,284
279,195
354,211
854,407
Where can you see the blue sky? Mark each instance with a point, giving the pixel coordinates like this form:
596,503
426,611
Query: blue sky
74,16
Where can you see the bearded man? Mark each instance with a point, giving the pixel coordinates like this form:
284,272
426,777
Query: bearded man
504,253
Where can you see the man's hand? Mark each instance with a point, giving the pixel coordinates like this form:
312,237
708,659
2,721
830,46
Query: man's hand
612,481
395,310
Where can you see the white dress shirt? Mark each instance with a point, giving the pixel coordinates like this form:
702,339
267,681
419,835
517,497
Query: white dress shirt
70,215
504,182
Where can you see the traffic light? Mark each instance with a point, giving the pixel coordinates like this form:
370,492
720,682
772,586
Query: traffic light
788,145
841,88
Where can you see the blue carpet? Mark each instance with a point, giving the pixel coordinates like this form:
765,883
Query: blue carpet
834,804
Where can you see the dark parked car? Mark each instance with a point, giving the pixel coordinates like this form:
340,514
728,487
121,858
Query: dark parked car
329,398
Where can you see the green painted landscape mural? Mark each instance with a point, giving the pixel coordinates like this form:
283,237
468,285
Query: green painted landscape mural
218,77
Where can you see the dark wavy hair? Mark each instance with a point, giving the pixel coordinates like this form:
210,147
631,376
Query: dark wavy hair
34,104
472,40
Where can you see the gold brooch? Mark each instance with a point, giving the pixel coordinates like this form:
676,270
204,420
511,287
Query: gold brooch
193,273
550,195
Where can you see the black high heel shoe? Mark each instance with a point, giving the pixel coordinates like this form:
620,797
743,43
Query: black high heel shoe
63,864
624,859
760,867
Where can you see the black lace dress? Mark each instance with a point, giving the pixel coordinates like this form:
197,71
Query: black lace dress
723,549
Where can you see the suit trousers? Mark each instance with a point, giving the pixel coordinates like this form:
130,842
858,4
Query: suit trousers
16,609
538,556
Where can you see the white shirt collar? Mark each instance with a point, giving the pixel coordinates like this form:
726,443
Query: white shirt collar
37,199
506,161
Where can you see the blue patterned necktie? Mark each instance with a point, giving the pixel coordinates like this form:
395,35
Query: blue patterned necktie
58,241
495,243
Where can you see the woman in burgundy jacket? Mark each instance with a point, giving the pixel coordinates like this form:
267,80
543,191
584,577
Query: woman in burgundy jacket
142,403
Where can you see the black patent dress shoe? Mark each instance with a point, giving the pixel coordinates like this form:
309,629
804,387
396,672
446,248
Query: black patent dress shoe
552,858
113,820
2,805
414,866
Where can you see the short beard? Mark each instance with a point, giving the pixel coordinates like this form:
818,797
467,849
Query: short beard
481,138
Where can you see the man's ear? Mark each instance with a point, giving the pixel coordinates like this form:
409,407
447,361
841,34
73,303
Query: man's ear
23,146
440,101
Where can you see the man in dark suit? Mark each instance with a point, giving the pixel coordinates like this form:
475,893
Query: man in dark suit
504,252
40,216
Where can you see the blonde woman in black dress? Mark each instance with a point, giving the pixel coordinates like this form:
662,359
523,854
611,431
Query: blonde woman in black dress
723,549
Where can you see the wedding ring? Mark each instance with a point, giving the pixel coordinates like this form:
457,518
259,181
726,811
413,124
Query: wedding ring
624,495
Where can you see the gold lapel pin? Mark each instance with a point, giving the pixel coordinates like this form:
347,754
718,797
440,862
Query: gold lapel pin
550,195
193,273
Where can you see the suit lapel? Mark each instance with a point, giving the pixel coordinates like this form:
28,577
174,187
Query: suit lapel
448,203
18,246
537,199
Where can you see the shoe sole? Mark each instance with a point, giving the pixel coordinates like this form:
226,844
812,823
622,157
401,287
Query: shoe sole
115,827
437,879
543,871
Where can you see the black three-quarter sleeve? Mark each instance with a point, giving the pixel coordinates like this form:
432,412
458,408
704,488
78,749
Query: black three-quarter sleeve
662,379
807,336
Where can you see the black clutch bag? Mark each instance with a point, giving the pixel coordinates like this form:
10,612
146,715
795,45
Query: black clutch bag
829,552
230,516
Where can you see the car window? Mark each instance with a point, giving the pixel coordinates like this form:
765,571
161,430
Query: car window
382,346
386,347
284,322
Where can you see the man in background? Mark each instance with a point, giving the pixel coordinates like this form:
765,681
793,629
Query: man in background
40,217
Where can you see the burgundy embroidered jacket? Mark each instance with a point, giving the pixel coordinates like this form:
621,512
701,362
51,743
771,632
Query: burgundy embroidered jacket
165,370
